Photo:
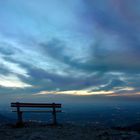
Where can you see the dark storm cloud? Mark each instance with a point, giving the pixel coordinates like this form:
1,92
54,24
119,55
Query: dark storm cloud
50,81
57,49
102,57
114,83
117,47
6,51
43,80
106,32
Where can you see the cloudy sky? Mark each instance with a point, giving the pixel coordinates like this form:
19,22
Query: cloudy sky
79,47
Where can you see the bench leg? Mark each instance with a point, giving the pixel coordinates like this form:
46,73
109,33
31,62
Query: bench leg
54,116
54,119
20,121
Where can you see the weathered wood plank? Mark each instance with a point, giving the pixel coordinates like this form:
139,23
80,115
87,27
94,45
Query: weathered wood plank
39,105
38,111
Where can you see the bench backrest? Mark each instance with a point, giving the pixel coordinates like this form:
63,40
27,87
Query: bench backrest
37,105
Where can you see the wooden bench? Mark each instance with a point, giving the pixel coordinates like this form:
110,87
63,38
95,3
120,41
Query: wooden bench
19,109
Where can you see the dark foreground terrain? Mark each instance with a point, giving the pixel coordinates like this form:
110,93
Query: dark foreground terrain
67,131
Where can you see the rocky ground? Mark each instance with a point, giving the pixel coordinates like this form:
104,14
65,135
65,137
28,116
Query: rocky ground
67,131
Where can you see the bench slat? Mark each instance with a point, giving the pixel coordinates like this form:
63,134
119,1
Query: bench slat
39,105
37,111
